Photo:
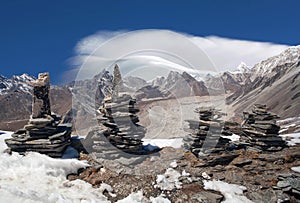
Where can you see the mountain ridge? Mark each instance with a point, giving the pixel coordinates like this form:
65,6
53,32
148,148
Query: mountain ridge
278,75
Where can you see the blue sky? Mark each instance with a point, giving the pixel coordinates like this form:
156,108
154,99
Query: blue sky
41,35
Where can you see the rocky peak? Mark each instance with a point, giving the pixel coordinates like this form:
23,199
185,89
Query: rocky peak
158,81
134,82
15,83
22,78
283,61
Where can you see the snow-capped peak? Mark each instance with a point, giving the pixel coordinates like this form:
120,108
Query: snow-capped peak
15,83
23,78
286,59
242,68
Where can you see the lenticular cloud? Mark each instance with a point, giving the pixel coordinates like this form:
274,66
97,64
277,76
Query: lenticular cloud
224,53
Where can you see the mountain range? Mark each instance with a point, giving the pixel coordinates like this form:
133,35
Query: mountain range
274,81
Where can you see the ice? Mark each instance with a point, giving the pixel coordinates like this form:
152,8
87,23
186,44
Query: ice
292,138
233,193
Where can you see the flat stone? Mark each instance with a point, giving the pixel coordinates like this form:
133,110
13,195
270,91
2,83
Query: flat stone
222,160
209,197
39,121
243,163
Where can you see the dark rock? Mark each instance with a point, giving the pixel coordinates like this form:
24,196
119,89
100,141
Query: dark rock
207,197
224,159
260,130
243,163
205,134
41,101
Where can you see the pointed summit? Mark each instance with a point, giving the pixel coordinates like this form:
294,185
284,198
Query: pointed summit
117,81
242,68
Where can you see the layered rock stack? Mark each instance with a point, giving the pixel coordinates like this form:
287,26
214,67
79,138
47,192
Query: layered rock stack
205,134
43,133
121,122
119,126
260,129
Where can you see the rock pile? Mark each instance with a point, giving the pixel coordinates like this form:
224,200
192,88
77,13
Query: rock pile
260,130
119,126
43,133
289,183
121,123
205,134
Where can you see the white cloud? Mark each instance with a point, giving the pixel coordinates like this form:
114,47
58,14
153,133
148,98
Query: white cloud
227,53
149,53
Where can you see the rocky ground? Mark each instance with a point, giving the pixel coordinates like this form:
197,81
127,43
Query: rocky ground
267,176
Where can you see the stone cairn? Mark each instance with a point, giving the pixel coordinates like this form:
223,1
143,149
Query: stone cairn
43,133
260,130
205,134
119,121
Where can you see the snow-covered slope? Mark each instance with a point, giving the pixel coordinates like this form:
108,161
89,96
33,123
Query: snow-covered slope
35,178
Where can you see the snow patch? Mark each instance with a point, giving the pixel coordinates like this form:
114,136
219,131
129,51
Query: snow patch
169,180
159,199
39,178
175,143
138,198
233,137
291,139
173,164
233,193
134,198
296,169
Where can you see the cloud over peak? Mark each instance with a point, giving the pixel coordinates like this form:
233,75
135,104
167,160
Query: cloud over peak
151,53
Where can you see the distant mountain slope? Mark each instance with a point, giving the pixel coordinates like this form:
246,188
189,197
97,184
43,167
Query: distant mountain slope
275,82
180,85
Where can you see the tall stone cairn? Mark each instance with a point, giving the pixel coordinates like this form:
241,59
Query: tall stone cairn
205,135
121,124
43,133
118,122
260,130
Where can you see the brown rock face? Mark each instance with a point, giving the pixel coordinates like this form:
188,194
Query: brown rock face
41,101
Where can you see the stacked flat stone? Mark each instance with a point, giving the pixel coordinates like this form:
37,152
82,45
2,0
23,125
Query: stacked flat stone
260,129
43,133
120,123
205,134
